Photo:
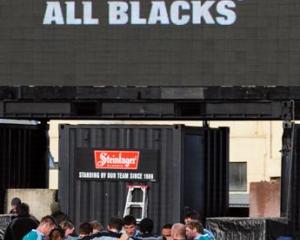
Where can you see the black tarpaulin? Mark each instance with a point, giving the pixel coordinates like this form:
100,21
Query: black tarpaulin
247,228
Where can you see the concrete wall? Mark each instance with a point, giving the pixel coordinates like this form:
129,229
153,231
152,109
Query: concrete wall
258,143
53,179
39,200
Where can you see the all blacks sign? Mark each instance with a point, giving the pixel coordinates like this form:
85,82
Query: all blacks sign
129,12
164,43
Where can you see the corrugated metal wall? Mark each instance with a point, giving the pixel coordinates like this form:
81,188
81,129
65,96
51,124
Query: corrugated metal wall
86,200
23,157
293,169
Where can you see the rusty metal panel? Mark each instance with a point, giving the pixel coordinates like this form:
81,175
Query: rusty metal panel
265,199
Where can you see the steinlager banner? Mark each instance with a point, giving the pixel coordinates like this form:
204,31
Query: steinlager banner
116,164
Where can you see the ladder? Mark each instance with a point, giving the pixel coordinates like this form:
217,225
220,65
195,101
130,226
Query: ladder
130,204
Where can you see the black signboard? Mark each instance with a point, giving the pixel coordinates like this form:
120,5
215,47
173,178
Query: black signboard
150,42
116,164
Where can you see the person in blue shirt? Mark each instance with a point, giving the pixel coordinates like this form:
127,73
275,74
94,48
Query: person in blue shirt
130,228
69,230
113,231
178,232
44,228
193,215
56,234
85,230
146,228
195,231
166,232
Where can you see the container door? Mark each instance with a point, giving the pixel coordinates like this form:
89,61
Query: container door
206,186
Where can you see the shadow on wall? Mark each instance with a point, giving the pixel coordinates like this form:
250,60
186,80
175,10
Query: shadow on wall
39,200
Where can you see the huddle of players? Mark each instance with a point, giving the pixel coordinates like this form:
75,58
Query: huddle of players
127,229
58,227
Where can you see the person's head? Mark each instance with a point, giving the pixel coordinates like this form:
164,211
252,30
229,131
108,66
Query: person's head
97,227
129,225
46,225
54,207
146,225
178,231
68,227
85,229
22,210
56,234
166,231
115,224
15,202
193,229
191,215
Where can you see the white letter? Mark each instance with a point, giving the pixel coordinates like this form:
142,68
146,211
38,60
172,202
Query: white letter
118,13
87,14
53,14
135,13
158,13
202,11
223,8
70,15
175,12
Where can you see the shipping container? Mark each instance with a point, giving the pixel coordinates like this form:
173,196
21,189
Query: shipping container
188,167
23,157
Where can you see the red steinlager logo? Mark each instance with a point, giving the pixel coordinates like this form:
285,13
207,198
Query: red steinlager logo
125,160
